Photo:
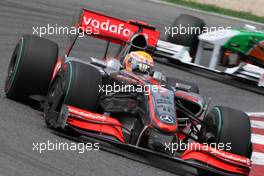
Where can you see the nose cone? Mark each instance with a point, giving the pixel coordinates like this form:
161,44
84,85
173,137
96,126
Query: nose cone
162,109
169,128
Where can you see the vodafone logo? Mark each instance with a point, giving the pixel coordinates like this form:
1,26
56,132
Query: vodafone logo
87,115
107,26
231,157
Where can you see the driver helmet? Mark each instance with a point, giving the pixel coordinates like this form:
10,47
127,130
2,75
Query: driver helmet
139,61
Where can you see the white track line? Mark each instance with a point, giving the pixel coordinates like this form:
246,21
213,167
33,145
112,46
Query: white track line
257,124
256,114
257,158
257,139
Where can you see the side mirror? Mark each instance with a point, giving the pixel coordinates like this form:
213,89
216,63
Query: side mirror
98,62
113,64
159,77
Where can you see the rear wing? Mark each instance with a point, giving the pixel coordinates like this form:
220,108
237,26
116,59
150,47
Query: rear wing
108,28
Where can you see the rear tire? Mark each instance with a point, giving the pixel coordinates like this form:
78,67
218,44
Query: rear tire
189,39
227,125
31,67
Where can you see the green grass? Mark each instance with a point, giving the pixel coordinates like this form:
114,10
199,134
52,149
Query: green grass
216,9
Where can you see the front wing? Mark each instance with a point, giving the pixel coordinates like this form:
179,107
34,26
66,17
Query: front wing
192,162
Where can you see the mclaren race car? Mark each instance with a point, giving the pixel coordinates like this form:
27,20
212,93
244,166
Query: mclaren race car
122,100
238,53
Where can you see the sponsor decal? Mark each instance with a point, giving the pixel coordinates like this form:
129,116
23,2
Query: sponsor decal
107,26
167,119
230,156
91,116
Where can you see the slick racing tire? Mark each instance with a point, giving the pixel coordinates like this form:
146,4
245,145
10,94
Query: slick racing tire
77,85
189,38
31,67
230,127
82,82
189,86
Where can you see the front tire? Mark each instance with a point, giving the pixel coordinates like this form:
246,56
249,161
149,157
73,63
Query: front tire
226,125
77,85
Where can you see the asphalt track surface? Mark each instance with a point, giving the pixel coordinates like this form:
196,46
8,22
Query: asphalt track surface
21,126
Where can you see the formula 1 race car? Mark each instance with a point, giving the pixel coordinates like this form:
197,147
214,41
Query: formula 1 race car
149,114
238,53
